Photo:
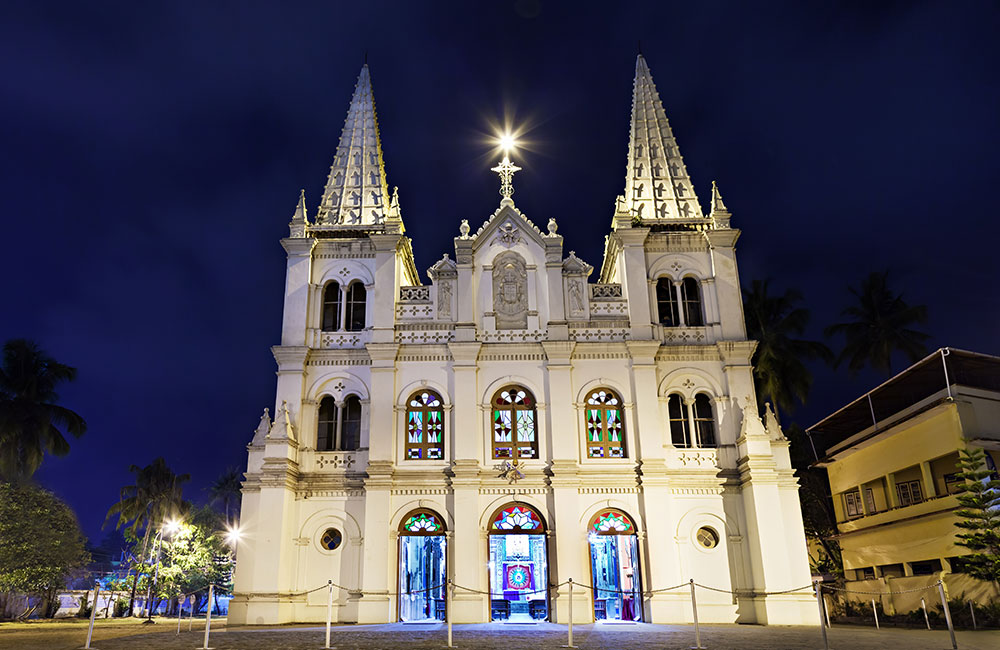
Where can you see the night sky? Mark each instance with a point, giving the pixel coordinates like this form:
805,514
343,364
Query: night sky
153,155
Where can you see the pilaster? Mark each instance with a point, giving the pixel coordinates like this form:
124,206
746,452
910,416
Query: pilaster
298,275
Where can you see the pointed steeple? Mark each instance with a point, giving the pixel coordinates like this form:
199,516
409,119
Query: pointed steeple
356,192
720,214
297,226
657,185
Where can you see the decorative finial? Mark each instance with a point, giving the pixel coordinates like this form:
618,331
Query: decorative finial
506,170
464,229
553,226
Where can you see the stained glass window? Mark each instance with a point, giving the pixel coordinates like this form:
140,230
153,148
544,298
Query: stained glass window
424,426
421,522
515,433
605,432
612,522
516,519
331,539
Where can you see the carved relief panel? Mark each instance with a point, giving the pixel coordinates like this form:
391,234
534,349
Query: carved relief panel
510,291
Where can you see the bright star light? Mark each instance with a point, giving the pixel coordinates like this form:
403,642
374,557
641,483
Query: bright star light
507,142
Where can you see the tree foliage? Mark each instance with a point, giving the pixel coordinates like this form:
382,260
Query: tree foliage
40,541
226,491
979,516
880,324
31,422
777,323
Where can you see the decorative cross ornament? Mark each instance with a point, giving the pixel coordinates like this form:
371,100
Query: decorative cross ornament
506,171
509,470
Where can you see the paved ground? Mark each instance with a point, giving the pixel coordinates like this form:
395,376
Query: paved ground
545,636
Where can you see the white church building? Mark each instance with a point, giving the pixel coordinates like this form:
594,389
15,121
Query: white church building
518,420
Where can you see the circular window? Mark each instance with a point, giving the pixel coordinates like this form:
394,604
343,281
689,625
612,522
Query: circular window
707,537
331,539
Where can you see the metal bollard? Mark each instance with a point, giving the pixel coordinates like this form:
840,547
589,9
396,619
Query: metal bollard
447,607
947,614
819,604
972,610
329,613
697,629
923,605
875,613
93,613
208,617
180,613
569,629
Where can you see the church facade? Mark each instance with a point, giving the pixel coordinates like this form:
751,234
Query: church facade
519,420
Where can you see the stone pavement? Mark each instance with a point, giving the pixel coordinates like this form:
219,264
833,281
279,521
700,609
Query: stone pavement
548,636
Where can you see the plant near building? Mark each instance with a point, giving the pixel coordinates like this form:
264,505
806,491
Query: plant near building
31,422
40,545
979,516
195,557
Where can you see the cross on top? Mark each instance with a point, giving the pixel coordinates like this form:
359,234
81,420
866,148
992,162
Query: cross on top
506,171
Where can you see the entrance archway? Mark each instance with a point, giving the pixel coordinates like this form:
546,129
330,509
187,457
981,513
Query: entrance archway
422,567
614,566
519,567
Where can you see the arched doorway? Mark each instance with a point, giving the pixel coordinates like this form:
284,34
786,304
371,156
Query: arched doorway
614,566
519,568
422,567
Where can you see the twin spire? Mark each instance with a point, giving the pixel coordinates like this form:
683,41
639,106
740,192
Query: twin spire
657,185
356,192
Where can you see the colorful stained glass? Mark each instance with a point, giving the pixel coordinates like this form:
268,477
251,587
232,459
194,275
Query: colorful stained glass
424,427
517,518
514,422
423,522
605,437
518,577
612,522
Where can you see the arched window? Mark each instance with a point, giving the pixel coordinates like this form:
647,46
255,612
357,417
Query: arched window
421,522
605,431
350,436
691,296
516,518
424,426
677,413
611,522
357,297
331,308
666,303
326,434
515,434
704,421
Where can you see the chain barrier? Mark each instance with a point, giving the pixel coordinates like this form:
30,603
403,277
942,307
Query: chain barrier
880,593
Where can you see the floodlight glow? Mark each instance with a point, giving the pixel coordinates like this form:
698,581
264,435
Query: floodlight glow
233,534
507,142
172,526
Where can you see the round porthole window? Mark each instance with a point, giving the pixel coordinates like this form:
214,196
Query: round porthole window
331,539
707,537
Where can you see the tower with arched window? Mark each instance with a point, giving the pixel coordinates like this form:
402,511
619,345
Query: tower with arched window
516,417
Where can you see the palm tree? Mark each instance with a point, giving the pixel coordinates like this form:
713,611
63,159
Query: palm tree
880,325
156,497
227,491
31,423
776,322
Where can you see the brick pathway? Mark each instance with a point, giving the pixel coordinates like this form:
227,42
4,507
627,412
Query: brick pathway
547,636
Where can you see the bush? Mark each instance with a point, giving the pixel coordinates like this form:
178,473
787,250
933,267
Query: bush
121,607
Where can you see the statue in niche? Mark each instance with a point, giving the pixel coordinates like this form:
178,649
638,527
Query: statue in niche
444,300
575,297
510,291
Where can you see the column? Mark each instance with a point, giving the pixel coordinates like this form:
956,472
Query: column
377,558
679,294
930,490
891,498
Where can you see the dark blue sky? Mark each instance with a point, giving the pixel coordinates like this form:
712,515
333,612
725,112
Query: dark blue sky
153,153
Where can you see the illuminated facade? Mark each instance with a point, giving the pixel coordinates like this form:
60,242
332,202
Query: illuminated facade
513,424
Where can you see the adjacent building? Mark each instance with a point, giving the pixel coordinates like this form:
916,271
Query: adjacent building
891,460
514,422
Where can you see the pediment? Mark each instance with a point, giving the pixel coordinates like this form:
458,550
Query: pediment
507,227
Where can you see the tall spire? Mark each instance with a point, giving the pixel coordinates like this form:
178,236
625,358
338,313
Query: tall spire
356,192
657,185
